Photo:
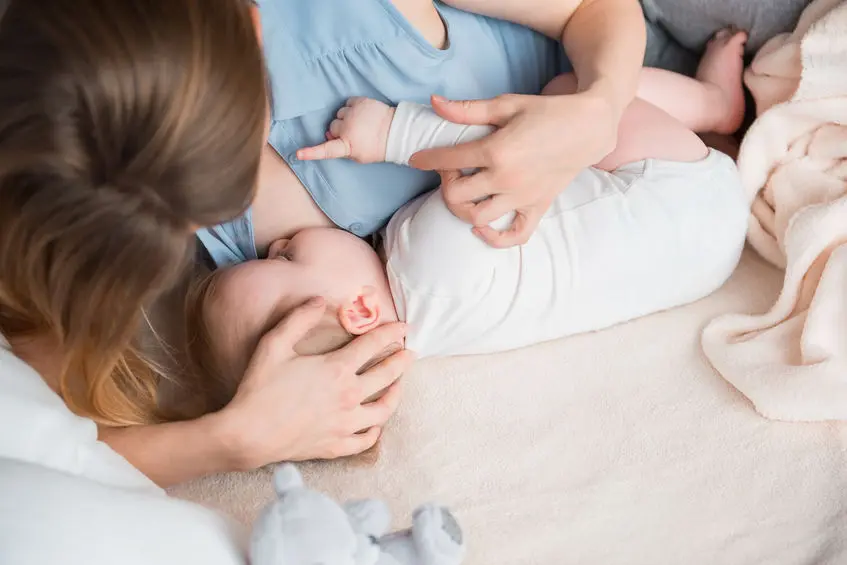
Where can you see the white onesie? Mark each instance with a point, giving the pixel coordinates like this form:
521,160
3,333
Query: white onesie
614,246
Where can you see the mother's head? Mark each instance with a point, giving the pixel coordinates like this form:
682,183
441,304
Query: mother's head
124,126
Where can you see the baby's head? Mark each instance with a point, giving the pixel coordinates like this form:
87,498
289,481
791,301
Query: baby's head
235,307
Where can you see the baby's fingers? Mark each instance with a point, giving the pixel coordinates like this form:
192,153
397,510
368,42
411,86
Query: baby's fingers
333,149
336,128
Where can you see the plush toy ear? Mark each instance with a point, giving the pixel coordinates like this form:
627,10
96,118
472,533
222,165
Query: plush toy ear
369,517
361,314
267,545
437,535
286,478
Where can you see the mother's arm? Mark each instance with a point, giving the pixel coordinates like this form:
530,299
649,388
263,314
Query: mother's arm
604,39
543,141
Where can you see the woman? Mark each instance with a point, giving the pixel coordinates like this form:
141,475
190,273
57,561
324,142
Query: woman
125,126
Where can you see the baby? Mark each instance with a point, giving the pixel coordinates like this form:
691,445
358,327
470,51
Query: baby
634,235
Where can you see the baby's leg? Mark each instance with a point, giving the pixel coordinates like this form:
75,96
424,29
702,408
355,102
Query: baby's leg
645,132
713,102
669,107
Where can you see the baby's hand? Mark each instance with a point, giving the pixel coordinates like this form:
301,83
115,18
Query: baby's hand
359,132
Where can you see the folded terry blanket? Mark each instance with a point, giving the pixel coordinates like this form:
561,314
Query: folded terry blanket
792,362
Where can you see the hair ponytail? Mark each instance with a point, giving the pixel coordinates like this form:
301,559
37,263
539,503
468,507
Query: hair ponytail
124,126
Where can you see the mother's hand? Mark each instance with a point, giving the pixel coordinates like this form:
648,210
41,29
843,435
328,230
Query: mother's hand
542,144
293,408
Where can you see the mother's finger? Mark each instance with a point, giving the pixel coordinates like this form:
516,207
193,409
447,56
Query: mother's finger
294,327
519,233
449,177
378,412
356,443
471,155
464,193
495,209
380,377
495,111
365,347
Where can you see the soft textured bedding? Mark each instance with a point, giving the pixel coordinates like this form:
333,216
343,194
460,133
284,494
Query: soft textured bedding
622,446
792,361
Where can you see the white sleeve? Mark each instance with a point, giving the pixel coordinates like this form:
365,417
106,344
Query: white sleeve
417,127
48,516
67,498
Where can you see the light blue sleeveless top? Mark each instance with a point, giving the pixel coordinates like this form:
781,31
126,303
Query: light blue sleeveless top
321,52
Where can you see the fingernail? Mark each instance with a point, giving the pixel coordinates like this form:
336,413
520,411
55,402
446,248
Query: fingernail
316,302
438,98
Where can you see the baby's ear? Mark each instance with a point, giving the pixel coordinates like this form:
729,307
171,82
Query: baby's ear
361,314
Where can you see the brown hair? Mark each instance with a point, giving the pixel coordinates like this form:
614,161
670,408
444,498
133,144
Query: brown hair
219,385
123,127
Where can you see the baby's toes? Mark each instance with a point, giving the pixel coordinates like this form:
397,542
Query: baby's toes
739,40
722,35
731,35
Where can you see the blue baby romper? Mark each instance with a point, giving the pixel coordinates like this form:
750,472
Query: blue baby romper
321,52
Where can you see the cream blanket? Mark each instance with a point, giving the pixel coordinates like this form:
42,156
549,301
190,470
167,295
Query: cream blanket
792,362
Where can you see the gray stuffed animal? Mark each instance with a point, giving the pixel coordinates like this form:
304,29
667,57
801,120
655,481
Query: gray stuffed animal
305,527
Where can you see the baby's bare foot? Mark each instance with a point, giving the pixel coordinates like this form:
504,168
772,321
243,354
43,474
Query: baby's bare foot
722,67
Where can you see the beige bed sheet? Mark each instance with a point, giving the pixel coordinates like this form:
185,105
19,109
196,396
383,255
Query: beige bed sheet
619,447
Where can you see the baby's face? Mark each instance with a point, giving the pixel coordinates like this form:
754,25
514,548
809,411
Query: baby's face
325,262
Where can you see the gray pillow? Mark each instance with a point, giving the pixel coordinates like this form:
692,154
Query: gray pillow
693,22
674,24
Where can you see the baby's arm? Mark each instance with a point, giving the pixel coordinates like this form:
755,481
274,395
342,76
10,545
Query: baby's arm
369,131
416,127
